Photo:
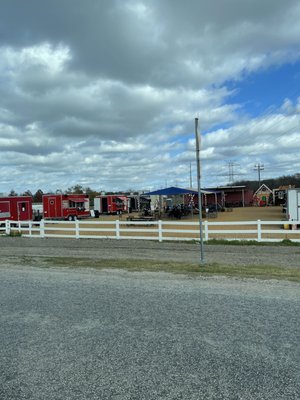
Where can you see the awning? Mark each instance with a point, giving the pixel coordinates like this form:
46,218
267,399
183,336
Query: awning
78,200
208,191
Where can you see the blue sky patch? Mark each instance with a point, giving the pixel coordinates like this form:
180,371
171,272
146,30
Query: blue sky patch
266,90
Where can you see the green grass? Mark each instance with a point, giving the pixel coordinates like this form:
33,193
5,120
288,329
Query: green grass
190,269
284,242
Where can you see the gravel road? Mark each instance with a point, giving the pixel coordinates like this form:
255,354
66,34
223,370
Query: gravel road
118,335
165,251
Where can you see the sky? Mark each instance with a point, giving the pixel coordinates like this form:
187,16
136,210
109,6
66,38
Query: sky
104,93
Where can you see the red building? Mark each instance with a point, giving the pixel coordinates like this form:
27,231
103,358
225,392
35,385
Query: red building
229,196
16,208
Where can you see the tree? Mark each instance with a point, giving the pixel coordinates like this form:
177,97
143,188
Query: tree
27,193
13,193
38,196
92,194
76,189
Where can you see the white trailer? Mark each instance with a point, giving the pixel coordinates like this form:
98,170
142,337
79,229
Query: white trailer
293,205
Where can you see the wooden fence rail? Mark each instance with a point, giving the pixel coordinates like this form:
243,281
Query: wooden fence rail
271,231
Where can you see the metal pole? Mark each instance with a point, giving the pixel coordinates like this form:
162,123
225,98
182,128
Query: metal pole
259,167
198,143
191,185
191,181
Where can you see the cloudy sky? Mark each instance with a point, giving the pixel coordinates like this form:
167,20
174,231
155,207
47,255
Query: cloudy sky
104,93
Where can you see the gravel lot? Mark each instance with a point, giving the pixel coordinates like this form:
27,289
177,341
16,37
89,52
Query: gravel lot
139,249
115,335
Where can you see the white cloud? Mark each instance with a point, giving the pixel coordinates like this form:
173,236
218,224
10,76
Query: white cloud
106,93
44,56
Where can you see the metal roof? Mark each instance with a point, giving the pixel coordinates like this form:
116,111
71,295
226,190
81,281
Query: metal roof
173,190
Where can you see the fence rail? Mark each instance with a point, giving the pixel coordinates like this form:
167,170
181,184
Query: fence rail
271,231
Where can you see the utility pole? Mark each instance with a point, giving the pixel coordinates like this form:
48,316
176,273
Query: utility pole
198,144
259,167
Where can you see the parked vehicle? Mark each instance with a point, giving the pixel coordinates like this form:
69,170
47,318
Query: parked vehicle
293,205
16,208
66,206
110,204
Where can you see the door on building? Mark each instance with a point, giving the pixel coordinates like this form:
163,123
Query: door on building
104,205
52,207
23,210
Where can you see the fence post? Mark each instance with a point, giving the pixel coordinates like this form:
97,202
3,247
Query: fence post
259,230
206,230
77,232
117,229
42,228
160,233
7,227
30,228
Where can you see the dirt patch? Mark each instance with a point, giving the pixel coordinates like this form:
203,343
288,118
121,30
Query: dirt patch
237,214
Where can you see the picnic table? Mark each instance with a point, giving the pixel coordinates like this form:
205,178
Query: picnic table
141,218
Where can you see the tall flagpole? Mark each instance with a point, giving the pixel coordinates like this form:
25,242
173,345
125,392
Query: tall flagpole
198,144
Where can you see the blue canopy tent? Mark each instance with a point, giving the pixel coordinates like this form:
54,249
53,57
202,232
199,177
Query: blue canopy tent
172,190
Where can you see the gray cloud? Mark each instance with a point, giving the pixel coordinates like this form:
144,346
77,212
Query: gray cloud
113,87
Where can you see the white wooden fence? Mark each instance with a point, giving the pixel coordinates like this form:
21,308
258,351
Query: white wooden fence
270,231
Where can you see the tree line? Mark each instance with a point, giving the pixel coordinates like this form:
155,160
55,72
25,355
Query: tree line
274,183
76,189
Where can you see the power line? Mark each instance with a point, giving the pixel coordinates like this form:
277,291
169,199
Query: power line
259,167
231,174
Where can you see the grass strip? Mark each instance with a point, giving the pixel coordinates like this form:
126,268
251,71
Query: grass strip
192,269
284,242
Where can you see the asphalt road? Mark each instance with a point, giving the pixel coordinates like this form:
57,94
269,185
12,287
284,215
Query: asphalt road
86,334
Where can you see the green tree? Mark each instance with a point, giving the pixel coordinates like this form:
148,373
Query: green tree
76,189
27,193
38,196
92,194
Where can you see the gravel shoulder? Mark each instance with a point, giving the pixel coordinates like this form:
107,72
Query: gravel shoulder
277,256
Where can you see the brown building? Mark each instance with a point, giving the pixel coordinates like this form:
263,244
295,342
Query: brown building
230,196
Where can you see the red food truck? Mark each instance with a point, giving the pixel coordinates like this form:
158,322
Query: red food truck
16,208
66,206
110,204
